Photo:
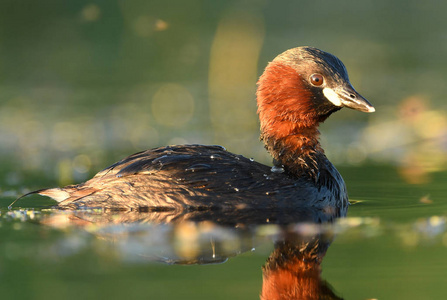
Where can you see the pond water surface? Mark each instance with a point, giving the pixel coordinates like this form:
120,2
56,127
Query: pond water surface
392,244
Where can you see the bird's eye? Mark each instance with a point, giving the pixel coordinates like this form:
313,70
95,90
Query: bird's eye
316,79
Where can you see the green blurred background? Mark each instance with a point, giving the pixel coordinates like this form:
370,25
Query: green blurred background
85,83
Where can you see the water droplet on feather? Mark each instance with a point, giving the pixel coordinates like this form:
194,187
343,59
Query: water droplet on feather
276,169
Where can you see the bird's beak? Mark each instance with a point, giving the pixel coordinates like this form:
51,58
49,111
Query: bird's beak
347,96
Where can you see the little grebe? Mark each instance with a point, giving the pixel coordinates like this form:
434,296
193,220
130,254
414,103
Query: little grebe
299,89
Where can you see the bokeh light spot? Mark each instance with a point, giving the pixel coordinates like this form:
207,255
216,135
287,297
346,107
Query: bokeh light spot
144,26
82,163
91,13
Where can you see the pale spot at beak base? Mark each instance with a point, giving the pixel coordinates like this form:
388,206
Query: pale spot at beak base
332,96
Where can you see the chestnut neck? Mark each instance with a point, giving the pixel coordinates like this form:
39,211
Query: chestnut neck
289,121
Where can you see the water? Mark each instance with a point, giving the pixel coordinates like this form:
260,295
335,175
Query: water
391,244
84,84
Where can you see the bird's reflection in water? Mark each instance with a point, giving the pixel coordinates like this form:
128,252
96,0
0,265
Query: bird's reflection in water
292,271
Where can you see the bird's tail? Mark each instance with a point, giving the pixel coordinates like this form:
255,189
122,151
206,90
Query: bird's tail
57,194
